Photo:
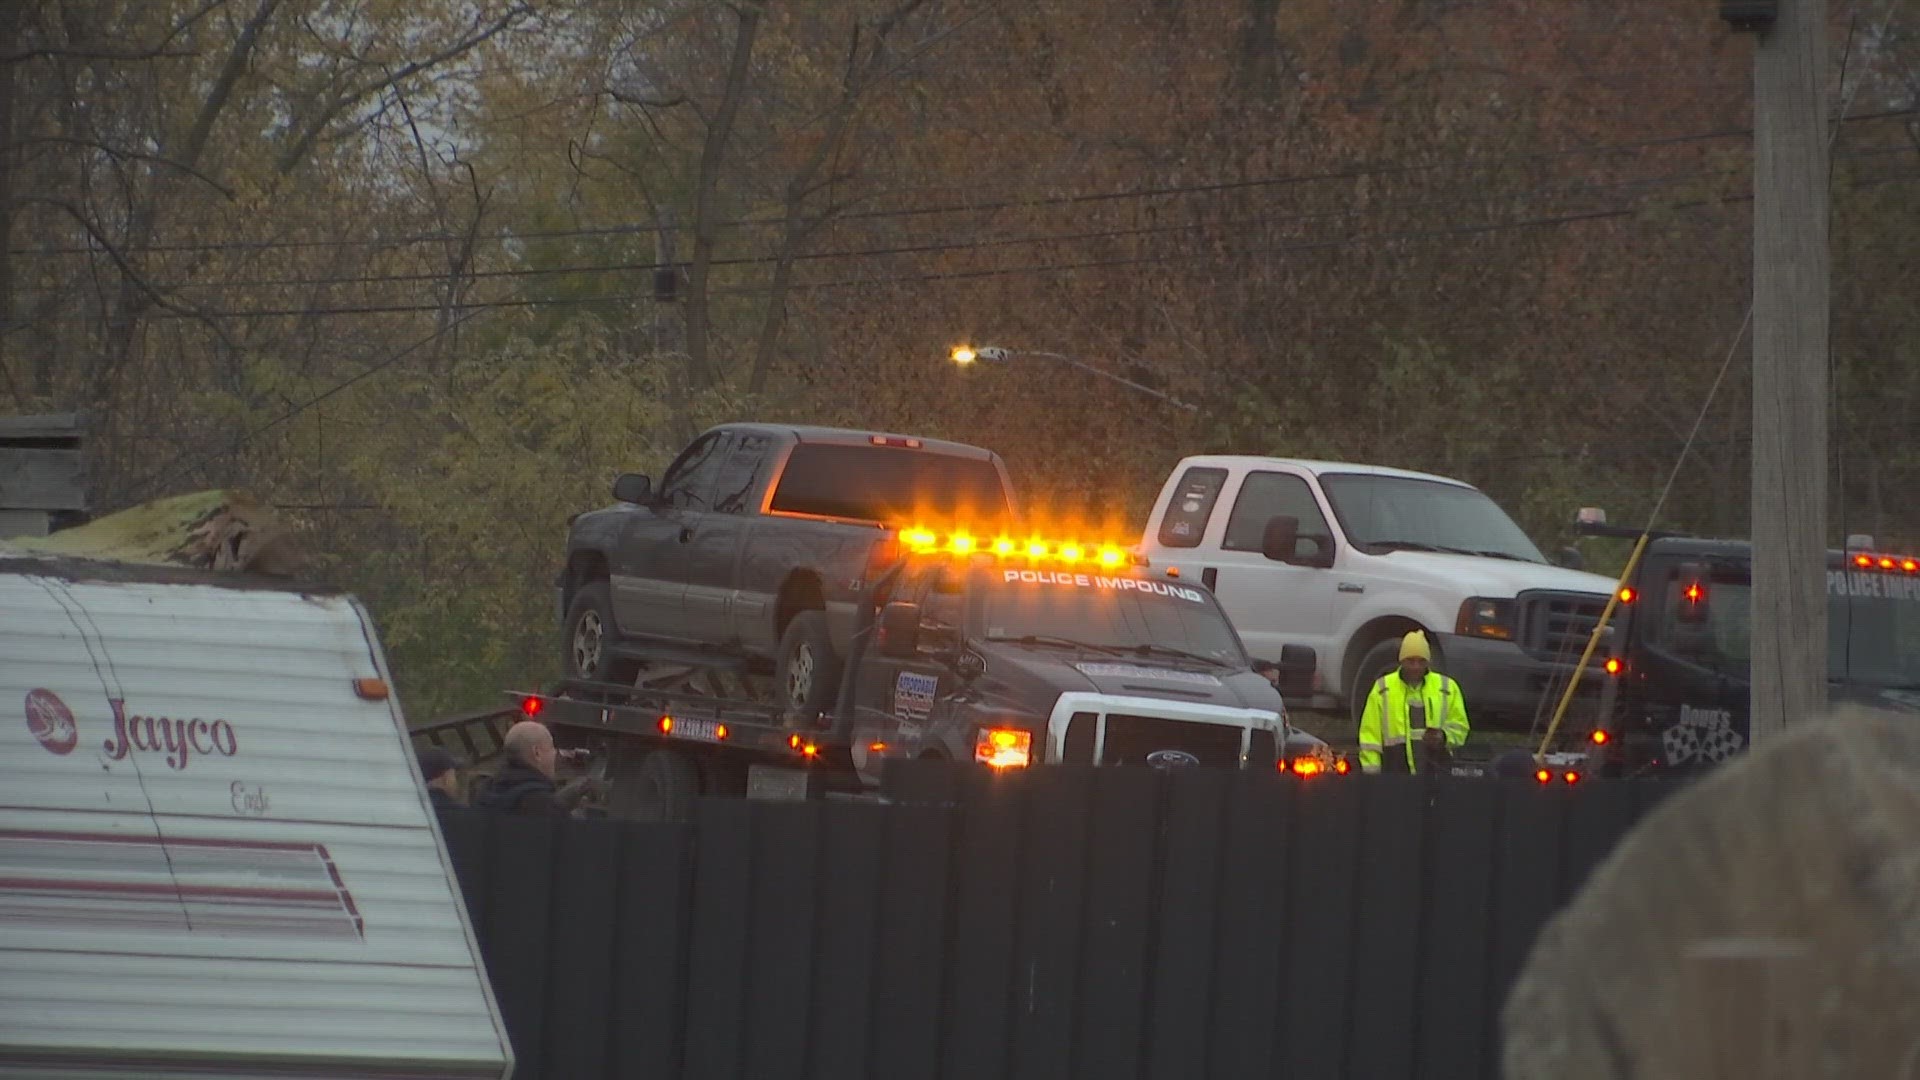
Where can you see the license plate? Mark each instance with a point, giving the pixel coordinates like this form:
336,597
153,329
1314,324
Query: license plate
704,730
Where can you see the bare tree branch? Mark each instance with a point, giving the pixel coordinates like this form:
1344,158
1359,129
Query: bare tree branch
712,153
297,152
92,52
120,152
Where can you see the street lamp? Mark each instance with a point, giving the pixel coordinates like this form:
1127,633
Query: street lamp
967,355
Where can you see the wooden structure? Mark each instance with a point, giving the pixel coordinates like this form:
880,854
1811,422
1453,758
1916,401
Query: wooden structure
43,483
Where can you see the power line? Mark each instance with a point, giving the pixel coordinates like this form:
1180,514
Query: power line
868,282
1639,185
642,228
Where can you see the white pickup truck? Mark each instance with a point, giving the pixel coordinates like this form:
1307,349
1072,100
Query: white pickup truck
1343,560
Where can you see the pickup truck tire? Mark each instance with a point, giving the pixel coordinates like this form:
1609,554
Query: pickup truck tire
590,635
661,788
807,674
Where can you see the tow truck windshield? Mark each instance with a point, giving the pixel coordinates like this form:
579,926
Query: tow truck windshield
1387,513
1100,613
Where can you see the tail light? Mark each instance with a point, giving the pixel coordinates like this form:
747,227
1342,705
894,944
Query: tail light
1004,748
531,706
1600,736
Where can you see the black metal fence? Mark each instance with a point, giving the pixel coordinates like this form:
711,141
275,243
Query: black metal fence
1066,923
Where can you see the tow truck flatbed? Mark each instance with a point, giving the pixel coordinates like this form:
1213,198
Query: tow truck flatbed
747,726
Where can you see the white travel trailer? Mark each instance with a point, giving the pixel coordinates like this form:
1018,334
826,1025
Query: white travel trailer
217,857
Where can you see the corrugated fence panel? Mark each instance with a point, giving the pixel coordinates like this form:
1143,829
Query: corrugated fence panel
1069,924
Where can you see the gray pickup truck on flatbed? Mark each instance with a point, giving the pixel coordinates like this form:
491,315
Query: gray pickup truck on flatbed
751,553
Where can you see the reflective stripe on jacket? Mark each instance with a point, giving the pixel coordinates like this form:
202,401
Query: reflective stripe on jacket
1445,709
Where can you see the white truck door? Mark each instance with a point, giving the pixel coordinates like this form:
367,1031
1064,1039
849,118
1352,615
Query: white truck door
1271,603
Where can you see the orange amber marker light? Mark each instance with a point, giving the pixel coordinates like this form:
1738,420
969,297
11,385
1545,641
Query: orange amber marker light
1627,595
1613,665
1599,737
371,689
1543,776
877,748
666,725
720,732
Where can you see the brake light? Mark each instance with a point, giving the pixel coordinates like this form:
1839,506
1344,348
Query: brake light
1004,748
1544,776
531,706
1613,665
1572,777
1342,767
1627,594
1306,766
1600,736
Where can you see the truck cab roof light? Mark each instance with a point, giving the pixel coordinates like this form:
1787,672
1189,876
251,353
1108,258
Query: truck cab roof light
1877,561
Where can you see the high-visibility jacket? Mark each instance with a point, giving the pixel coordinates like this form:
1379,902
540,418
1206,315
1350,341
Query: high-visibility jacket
1385,725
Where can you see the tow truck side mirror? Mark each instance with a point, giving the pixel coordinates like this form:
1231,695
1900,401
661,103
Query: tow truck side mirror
900,630
1690,593
632,488
1280,538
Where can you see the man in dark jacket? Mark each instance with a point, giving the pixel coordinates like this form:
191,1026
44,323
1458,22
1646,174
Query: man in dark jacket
526,782
438,768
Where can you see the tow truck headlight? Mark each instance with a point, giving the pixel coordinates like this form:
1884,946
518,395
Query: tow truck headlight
1485,617
1003,748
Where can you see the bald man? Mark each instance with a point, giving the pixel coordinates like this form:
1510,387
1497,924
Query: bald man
525,782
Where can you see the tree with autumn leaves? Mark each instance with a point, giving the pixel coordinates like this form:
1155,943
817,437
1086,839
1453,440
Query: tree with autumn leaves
432,273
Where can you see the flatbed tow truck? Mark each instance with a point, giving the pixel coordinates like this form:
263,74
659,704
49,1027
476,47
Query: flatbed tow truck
1005,653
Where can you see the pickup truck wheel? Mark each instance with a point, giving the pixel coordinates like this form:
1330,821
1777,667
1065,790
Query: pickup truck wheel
807,676
590,636
661,788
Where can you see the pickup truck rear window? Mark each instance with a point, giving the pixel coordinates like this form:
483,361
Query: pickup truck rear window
889,484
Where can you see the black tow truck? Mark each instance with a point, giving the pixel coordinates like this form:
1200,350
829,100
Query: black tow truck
1006,652
1677,658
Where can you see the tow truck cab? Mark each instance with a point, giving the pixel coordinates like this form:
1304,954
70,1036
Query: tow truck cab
1676,698
1055,656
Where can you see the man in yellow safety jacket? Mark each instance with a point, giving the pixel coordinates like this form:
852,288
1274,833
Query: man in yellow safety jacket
1408,706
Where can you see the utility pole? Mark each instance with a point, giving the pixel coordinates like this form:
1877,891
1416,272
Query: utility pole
1790,375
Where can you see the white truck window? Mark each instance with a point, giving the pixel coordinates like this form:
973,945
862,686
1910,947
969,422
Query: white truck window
1185,520
1265,496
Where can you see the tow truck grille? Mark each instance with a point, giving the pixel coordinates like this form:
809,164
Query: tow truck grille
1556,625
1130,739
